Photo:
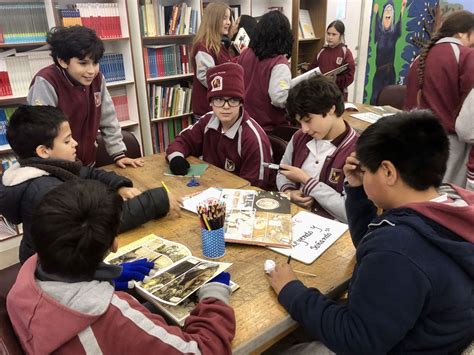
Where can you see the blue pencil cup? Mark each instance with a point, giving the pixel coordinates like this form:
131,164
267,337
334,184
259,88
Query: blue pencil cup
213,244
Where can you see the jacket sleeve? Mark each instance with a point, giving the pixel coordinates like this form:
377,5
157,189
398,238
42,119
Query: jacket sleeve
203,61
150,204
331,200
208,330
42,93
109,178
344,79
386,298
109,126
360,212
279,85
283,183
315,62
189,141
411,95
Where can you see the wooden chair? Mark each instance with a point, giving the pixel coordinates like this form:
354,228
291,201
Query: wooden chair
278,147
284,132
393,95
131,142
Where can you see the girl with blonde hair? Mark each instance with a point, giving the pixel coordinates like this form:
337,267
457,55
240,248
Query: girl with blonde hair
209,51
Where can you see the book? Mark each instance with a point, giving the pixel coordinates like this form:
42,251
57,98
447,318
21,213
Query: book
305,24
316,71
242,40
252,217
312,235
176,277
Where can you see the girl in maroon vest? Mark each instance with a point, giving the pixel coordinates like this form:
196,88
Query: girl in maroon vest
313,161
209,51
335,54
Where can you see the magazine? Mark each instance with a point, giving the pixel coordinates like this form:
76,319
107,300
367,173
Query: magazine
312,235
242,40
176,277
316,71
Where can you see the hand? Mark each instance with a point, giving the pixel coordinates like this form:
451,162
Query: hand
352,171
175,205
404,5
123,162
331,77
294,174
296,196
279,277
135,270
128,192
223,278
376,8
179,165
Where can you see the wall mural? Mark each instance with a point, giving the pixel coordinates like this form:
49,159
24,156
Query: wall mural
398,30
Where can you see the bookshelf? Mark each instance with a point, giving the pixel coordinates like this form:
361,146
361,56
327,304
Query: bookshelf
162,59
23,28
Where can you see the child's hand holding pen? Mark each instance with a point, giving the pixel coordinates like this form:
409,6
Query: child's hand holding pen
294,174
352,171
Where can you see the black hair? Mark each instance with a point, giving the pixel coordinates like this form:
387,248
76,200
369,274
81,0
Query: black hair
74,226
272,36
457,22
316,95
338,25
74,42
248,23
415,142
32,126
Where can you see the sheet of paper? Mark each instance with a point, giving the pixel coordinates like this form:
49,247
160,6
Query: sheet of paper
196,170
312,235
190,204
367,116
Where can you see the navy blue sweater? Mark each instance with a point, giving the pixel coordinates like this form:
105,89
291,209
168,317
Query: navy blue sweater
412,289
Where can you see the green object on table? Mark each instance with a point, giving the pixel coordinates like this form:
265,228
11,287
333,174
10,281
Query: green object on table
196,170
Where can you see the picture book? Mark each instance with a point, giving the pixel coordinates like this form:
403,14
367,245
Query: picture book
316,71
312,236
251,217
176,277
306,24
242,40
257,217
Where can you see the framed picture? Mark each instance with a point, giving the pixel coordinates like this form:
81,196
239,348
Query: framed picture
235,11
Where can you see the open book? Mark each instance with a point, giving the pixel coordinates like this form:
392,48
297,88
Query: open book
242,40
252,217
316,71
312,235
178,274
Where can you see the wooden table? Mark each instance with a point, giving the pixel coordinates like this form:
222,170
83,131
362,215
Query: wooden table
360,125
261,320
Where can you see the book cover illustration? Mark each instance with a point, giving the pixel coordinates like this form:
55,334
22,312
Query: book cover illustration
242,40
257,217
177,273
306,24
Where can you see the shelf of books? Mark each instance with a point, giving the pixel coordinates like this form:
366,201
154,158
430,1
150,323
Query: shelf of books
167,29
23,52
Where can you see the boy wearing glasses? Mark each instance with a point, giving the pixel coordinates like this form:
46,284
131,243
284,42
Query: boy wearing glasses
226,137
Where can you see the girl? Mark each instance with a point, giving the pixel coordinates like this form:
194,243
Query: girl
334,55
209,51
267,73
442,80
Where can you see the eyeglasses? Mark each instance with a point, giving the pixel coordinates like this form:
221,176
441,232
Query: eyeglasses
220,101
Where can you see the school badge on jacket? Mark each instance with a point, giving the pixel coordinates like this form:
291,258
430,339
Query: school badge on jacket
339,60
97,99
229,165
335,176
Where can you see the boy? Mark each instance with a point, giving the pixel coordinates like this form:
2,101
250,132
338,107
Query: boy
73,83
313,160
41,138
227,137
412,287
63,301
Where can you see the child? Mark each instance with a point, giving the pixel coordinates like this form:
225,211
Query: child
267,73
335,54
449,92
63,300
227,137
412,286
73,83
41,138
314,158
208,51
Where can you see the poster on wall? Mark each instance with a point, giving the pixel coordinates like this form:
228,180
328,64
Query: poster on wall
398,30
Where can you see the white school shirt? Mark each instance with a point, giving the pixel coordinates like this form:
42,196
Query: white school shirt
318,151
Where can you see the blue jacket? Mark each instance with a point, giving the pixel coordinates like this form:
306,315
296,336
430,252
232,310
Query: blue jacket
23,187
412,289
